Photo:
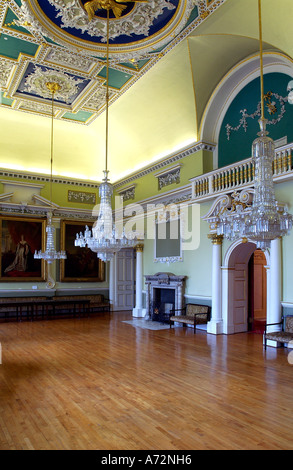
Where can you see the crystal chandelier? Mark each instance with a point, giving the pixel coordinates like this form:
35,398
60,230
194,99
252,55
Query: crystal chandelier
104,238
50,254
263,221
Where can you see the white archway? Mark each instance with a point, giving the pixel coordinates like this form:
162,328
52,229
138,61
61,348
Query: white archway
235,286
231,85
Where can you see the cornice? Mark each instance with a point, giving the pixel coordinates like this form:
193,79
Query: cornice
35,177
167,161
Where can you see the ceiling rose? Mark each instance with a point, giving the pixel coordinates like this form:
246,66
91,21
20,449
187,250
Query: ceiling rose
142,26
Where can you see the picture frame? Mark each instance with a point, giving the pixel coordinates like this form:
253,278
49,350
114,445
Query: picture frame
168,243
20,238
82,264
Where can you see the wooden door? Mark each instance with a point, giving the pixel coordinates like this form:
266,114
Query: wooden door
257,290
240,297
260,285
125,277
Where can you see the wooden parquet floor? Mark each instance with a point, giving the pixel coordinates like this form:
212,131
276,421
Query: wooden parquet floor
99,383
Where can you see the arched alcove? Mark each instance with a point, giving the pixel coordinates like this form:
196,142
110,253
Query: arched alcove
235,286
231,86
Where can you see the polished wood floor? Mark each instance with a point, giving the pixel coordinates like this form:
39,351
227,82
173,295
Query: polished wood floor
99,383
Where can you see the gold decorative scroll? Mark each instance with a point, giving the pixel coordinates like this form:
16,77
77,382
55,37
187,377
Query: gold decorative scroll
115,5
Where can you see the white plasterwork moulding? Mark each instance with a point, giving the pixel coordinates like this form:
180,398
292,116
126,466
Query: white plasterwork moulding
169,260
138,21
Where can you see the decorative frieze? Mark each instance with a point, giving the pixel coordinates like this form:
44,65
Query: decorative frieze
167,177
128,193
271,106
5,71
81,196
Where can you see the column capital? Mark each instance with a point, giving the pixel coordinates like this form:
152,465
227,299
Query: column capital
216,239
139,247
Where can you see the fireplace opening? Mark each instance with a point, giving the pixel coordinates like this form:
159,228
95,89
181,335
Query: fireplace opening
163,303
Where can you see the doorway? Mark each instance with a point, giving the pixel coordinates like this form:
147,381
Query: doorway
124,280
244,288
257,292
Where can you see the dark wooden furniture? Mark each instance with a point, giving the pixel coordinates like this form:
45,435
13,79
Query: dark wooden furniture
191,314
31,308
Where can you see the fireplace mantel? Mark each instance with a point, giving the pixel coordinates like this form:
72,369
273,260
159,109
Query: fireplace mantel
164,281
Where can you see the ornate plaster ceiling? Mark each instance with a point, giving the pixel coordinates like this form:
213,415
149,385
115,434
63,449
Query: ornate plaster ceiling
161,80
55,38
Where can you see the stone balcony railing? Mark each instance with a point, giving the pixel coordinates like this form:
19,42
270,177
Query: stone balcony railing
240,175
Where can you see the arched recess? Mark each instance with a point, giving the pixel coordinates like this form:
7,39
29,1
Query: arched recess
229,87
235,280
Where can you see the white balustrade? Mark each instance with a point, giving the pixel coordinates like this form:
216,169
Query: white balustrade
240,175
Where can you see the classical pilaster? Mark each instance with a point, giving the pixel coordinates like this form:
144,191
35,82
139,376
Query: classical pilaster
215,326
112,282
275,311
139,311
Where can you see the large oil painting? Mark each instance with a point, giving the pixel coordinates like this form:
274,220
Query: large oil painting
20,237
81,263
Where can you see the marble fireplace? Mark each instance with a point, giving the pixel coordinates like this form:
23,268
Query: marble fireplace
164,292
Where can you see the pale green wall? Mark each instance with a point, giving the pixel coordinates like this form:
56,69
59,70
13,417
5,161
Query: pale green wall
193,165
196,265
284,194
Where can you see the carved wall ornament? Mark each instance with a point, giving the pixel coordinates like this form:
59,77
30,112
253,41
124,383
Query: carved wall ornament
272,107
229,205
169,260
127,193
81,196
167,177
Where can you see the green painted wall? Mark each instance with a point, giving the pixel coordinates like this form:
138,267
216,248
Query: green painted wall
238,147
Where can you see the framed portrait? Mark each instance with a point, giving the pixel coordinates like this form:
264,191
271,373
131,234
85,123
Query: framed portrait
81,264
20,237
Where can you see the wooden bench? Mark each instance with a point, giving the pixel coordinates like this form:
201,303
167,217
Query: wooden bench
283,335
16,307
36,307
88,303
191,314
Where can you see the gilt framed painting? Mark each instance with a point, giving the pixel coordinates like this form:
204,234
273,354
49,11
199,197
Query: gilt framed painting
20,238
81,264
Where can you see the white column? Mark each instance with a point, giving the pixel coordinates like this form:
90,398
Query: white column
215,326
227,280
138,310
112,283
275,311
